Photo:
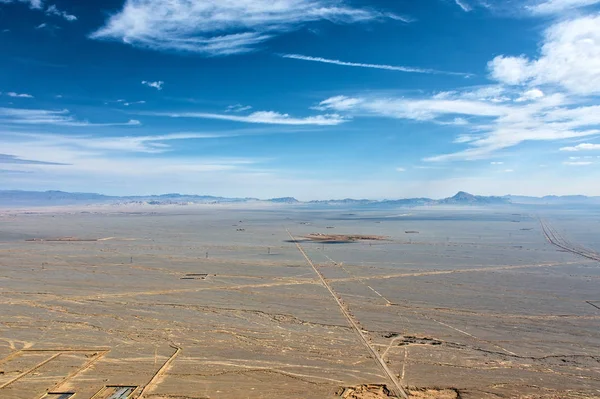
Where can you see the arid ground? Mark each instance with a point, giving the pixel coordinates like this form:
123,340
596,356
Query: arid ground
292,302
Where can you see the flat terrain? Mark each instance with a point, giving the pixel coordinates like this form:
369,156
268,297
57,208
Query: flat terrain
223,302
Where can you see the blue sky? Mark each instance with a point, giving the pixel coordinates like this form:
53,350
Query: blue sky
309,98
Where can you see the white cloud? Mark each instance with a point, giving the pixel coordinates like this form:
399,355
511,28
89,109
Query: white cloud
52,10
558,100
400,170
508,170
495,126
158,85
127,104
582,147
373,66
266,117
37,4
510,70
238,108
559,6
18,95
140,144
50,117
455,122
569,58
577,163
463,4
497,163
407,108
133,164
339,103
529,95
219,27
41,26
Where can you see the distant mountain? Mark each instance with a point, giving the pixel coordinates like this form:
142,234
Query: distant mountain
346,201
49,198
35,198
462,198
284,200
16,198
553,200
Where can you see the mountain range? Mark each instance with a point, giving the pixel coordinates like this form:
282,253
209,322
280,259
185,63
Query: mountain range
17,198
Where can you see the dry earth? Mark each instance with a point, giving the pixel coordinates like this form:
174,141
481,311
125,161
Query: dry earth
184,302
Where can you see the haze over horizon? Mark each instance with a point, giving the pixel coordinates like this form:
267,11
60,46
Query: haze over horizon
313,99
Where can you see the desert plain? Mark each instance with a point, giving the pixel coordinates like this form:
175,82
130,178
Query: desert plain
235,302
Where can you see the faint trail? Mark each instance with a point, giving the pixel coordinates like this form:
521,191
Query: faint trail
184,290
404,362
160,372
31,370
398,388
361,280
442,272
558,240
421,314
470,335
83,368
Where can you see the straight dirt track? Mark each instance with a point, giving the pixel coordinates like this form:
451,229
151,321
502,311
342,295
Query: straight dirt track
400,392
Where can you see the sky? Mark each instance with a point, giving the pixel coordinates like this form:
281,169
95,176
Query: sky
316,99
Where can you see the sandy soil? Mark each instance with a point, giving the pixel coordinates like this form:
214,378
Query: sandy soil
221,303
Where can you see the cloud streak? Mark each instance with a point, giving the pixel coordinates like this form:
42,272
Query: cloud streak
462,4
582,147
217,27
559,6
13,160
496,125
158,85
50,117
18,95
373,66
261,117
36,4
133,144
53,10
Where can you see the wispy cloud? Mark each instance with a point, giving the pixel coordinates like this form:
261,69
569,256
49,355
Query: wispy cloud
217,27
426,109
238,108
515,110
496,126
158,85
582,147
14,160
400,169
66,158
463,4
558,6
497,163
37,4
53,10
265,117
373,66
50,117
18,95
577,163
127,104
141,144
